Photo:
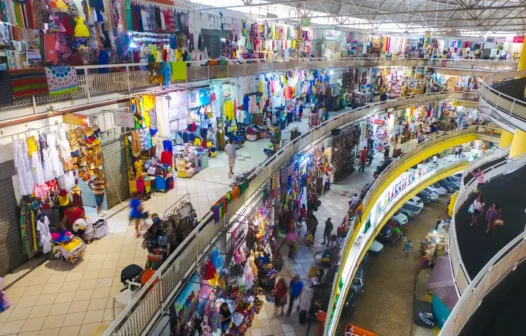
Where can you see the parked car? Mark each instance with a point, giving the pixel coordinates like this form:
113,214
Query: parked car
441,191
385,234
432,195
447,185
416,201
424,196
400,218
358,283
376,248
350,303
411,210
453,180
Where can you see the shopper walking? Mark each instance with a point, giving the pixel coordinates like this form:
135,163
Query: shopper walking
476,209
280,295
225,317
363,159
137,213
295,290
312,225
327,231
494,213
480,180
407,248
231,151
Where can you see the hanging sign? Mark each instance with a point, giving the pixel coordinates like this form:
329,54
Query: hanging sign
75,119
518,39
124,119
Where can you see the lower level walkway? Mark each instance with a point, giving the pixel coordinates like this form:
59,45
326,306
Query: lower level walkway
54,298
478,247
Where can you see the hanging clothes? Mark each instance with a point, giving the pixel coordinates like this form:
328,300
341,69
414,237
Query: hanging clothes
45,234
58,169
23,167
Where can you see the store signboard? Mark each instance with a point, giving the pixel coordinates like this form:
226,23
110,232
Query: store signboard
75,119
124,119
518,39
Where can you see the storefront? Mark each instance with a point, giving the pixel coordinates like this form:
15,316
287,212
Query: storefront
232,280
344,152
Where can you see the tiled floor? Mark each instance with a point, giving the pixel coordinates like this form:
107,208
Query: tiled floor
334,204
53,298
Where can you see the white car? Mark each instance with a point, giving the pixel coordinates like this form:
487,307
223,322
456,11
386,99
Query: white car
400,218
433,196
440,191
416,201
376,248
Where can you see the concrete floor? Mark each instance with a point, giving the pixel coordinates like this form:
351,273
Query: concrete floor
386,305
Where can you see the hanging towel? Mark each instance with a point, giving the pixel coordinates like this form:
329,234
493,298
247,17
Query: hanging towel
179,71
28,82
62,79
6,91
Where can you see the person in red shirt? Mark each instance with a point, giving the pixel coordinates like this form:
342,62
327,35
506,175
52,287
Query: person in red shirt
70,216
363,159
280,295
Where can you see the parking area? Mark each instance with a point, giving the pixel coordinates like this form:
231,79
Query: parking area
385,306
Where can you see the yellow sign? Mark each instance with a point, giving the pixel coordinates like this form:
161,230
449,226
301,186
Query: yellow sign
75,119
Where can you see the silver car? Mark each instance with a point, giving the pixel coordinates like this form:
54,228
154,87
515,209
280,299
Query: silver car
411,210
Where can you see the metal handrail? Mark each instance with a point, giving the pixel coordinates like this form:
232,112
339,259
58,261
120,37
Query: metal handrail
503,102
260,174
492,172
128,79
500,264
356,250
483,160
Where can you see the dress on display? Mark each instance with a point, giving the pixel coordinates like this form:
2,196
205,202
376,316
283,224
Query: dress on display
23,167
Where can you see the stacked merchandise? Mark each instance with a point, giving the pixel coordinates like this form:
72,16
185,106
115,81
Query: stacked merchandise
188,160
345,148
254,132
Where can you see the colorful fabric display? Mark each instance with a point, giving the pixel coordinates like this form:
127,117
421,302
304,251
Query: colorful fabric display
28,82
243,186
62,79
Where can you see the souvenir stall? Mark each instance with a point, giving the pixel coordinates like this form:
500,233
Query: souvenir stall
150,157
433,246
279,38
378,131
299,181
344,148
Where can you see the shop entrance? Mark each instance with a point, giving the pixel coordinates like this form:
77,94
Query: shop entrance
10,240
116,172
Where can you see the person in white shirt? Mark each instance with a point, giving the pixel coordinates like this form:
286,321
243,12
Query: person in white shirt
230,150
326,183
476,209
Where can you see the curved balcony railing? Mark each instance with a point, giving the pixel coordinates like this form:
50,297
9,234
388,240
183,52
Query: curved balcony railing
357,248
349,266
475,164
154,297
460,274
505,261
128,78
380,180
509,106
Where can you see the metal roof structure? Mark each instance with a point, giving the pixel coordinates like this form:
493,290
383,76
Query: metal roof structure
447,17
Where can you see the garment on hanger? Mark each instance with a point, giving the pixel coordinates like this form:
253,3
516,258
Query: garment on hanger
45,234
23,167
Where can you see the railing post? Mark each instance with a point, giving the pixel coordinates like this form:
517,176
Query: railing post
128,81
512,106
87,85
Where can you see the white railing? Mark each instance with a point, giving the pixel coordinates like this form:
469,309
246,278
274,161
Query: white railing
378,185
500,153
380,180
143,308
502,263
127,78
514,108
460,274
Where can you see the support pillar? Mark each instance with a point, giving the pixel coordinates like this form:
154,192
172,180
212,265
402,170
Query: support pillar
505,139
522,59
518,145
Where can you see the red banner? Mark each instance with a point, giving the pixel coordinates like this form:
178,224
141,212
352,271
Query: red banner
518,39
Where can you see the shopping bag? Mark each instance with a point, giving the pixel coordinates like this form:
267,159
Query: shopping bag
499,222
470,210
